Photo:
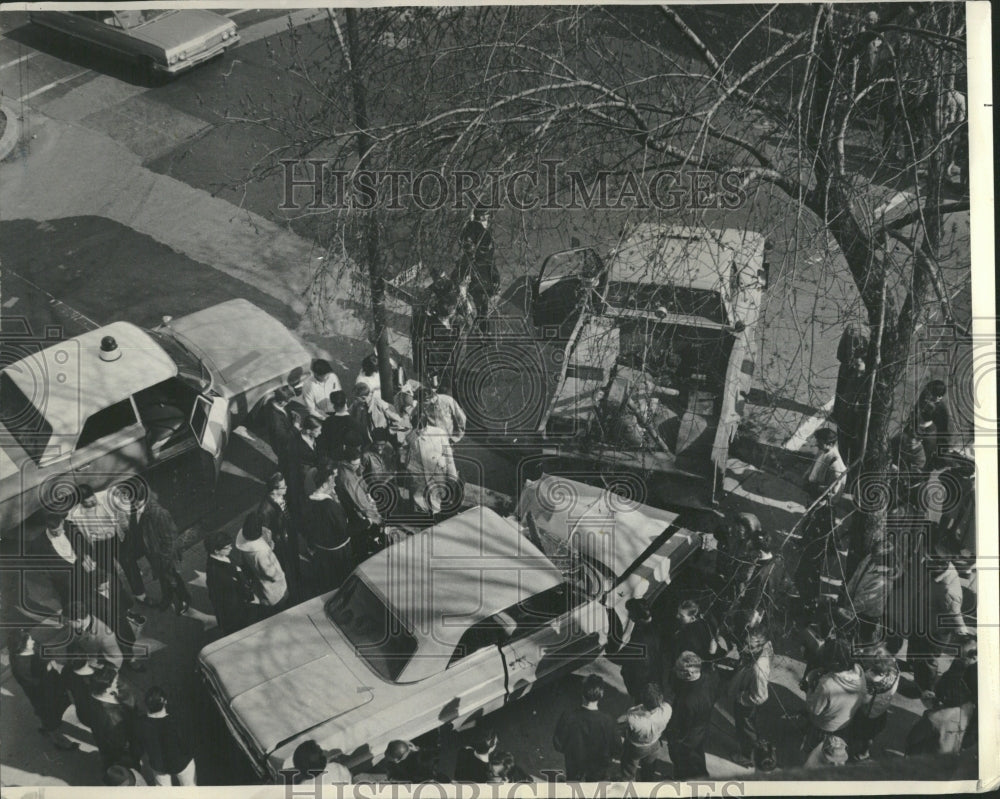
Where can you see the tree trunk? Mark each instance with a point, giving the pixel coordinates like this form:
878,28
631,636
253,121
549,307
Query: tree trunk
372,247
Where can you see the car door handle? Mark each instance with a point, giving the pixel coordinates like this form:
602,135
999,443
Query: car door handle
85,467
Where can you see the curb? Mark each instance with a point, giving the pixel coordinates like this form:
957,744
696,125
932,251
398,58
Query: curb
11,133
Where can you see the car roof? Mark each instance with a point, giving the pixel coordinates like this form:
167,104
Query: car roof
69,382
446,578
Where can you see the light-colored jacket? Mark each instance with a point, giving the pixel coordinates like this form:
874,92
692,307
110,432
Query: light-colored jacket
258,560
946,606
835,698
869,586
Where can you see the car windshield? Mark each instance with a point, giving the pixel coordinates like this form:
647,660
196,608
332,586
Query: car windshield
133,18
24,422
188,364
373,629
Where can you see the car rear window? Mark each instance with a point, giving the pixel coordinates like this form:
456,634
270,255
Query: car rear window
24,422
373,629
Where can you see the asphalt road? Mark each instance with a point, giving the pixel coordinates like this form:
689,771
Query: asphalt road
75,270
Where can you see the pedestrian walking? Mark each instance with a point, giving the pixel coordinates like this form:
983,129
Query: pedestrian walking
586,736
431,473
312,765
364,521
166,747
114,723
473,762
274,517
317,388
159,534
42,684
91,639
693,692
339,430
645,723
882,681
328,534
68,559
254,556
229,588
750,692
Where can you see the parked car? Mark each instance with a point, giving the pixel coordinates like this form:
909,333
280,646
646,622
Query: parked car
118,400
164,42
442,627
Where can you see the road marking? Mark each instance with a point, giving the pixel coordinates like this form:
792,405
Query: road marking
18,60
809,426
72,313
52,85
11,302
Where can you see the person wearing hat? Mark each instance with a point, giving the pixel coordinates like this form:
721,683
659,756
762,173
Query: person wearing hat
407,762
364,521
312,764
750,691
828,474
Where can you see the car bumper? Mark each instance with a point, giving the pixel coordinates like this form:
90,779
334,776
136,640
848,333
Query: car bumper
204,55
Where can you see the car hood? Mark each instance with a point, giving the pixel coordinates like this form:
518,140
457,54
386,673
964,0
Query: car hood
286,675
183,29
242,345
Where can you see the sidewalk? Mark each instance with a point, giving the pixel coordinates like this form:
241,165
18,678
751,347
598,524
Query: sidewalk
67,170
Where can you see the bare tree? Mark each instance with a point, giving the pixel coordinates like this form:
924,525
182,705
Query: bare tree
822,112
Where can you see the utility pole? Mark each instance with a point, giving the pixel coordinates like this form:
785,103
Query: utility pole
371,248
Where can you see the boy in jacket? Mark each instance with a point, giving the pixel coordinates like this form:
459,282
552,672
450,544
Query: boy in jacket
254,555
750,691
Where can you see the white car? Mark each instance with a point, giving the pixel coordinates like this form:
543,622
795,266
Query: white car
70,415
442,627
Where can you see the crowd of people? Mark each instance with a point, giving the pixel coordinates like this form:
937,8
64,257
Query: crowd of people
709,641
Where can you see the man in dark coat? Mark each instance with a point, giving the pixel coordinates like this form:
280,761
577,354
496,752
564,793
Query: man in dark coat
278,427
587,737
159,534
42,684
690,633
229,589
167,749
473,762
303,457
327,533
694,694
114,723
273,513
476,272
639,655
339,430
68,557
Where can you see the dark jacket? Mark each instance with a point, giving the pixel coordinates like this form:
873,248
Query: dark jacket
338,432
114,728
230,592
66,578
279,430
326,523
159,535
78,686
165,745
587,739
469,768
692,704
45,689
695,637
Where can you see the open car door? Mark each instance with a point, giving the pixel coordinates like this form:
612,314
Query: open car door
210,424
